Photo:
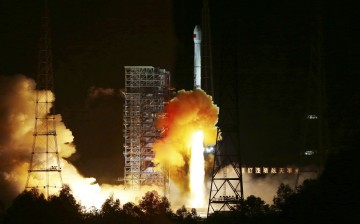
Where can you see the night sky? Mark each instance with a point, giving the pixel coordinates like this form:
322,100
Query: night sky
94,39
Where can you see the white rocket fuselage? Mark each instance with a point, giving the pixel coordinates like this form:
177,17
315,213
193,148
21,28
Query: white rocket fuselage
197,57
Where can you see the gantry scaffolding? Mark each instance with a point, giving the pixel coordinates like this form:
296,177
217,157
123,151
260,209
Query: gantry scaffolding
146,92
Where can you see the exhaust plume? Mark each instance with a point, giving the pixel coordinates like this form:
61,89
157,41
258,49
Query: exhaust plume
187,113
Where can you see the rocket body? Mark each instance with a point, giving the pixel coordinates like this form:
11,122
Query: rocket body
197,57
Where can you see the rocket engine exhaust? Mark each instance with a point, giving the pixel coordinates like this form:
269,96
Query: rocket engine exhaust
197,57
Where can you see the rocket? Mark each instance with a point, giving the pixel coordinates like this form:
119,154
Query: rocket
197,57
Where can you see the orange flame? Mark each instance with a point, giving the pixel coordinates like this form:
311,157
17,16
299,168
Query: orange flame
187,113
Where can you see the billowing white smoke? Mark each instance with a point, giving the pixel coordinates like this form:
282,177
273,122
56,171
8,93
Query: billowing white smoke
17,113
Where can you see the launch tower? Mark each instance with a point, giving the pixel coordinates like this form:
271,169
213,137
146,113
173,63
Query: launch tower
45,171
226,189
146,92
316,141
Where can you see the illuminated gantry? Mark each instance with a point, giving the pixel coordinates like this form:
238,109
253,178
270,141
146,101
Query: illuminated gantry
146,92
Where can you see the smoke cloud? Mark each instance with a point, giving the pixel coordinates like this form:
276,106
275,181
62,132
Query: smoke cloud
95,92
188,112
266,186
17,113
17,99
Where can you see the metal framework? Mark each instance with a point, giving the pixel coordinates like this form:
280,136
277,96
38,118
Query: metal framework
146,92
226,181
226,190
45,171
315,142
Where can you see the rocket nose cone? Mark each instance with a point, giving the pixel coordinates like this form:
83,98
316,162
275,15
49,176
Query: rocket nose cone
196,29
197,33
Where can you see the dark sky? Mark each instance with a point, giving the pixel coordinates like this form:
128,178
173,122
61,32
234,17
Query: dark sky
94,39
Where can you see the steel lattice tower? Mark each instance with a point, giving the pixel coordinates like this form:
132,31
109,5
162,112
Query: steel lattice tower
226,190
315,142
146,92
45,171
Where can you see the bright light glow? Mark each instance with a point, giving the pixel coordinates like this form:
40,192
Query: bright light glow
197,170
309,153
312,117
188,112
210,149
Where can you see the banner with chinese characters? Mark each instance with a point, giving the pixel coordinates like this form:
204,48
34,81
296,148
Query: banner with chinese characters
270,170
